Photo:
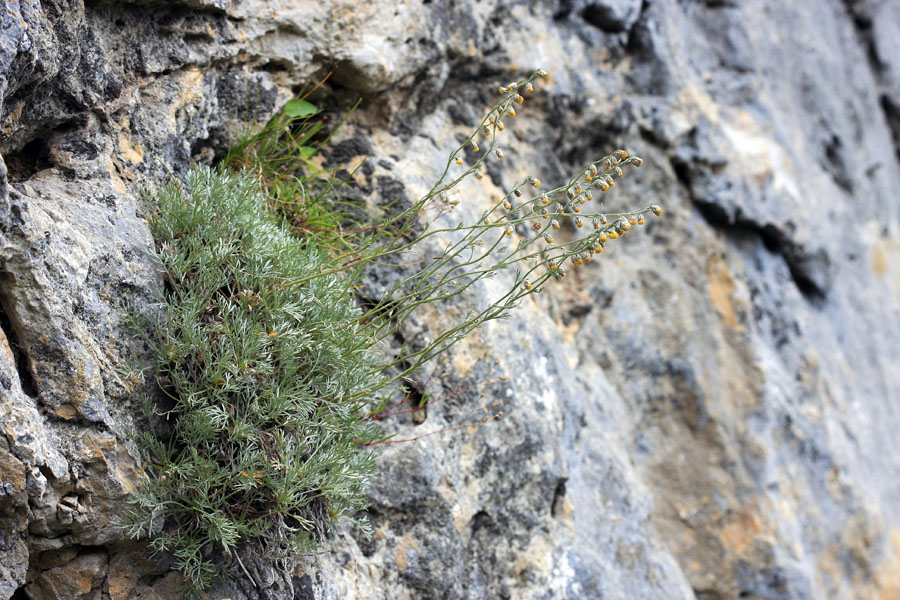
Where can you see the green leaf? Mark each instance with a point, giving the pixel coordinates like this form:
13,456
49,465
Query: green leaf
299,108
306,151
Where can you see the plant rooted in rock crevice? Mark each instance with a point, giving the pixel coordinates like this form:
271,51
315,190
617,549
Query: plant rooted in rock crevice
266,383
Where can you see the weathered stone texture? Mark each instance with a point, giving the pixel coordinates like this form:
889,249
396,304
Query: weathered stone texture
708,411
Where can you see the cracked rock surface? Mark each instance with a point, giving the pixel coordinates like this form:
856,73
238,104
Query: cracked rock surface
709,410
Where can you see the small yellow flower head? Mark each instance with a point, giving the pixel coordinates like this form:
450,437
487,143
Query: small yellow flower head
537,225
576,208
527,284
535,182
570,193
595,223
543,73
607,164
581,200
548,238
586,257
577,189
479,174
641,220
612,235
459,161
559,273
619,172
603,219
544,213
621,154
637,161
444,197
492,120
602,237
598,249
611,183
545,199
593,170
511,112
554,224
501,90
588,177
475,147
553,266
500,126
517,192
657,210
519,99
529,88
487,221
632,221
499,153
486,131
579,222
509,230
577,260
604,186
588,195
507,205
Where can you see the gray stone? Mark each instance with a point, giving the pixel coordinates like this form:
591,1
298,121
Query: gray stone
707,410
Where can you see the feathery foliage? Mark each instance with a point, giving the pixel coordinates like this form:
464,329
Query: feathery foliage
266,383
275,377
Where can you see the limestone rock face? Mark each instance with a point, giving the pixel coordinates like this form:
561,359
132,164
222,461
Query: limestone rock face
708,410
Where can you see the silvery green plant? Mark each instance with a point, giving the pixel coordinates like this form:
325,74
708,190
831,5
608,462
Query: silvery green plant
263,381
516,234
272,374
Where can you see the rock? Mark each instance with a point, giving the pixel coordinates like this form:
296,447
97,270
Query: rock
80,578
706,411
612,15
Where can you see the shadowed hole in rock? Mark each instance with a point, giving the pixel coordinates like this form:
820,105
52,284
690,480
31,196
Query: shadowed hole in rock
32,158
558,505
19,594
26,378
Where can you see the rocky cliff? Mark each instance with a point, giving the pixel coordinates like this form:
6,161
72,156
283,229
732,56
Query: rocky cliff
709,411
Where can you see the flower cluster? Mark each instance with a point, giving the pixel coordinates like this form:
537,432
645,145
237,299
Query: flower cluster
573,202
